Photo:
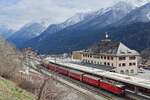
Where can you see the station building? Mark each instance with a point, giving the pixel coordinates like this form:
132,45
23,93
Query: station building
114,54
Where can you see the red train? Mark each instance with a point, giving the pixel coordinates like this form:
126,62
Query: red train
105,84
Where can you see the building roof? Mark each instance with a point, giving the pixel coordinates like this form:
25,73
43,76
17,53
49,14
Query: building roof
110,47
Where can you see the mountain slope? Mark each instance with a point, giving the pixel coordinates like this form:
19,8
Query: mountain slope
131,35
54,28
69,38
26,33
141,14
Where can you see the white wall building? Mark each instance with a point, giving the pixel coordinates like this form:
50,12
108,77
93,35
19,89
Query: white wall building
114,54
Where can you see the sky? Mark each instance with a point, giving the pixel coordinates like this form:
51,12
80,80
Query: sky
15,13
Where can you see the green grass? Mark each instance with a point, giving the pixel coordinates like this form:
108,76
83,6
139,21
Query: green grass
9,91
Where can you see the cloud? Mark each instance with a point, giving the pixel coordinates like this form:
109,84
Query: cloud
19,12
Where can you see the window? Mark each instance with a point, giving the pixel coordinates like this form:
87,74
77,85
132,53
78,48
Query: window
88,61
96,56
108,57
122,72
119,65
111,58
122,58
127,71
104,57
132,58
101,57
108,64
130,64
123,64
90,55
104,63
132,71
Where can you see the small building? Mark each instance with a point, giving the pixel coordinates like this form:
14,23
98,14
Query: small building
77,55
113,54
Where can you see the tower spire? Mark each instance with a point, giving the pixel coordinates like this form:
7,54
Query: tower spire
106,35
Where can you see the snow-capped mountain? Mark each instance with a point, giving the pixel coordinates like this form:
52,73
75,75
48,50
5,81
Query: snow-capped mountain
54,28
141,14
71,21
106,16
27,32
138,3
74,19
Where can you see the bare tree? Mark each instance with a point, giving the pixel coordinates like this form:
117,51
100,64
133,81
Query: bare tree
9,59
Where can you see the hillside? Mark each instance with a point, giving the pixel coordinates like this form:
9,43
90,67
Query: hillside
9,91
66,41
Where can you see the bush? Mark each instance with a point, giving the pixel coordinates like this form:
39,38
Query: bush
28,85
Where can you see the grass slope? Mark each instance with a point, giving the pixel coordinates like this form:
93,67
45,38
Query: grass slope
9,91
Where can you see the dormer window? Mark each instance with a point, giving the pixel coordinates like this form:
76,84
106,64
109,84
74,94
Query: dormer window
128,51
122,52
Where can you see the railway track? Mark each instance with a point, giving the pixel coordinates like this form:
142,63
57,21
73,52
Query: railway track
95,90
61,80
64,80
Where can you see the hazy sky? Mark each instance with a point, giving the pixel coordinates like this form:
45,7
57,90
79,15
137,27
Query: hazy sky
15,13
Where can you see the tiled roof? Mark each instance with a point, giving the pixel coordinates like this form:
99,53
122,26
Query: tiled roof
105,47
111,47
